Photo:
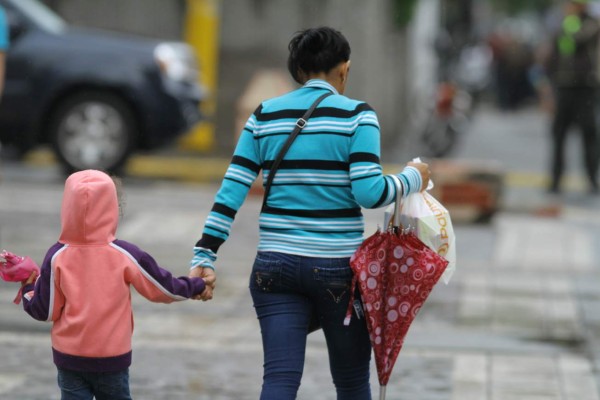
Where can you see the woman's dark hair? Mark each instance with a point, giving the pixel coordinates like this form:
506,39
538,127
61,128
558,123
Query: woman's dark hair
316,50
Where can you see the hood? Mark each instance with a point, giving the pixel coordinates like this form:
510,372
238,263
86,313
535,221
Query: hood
90,209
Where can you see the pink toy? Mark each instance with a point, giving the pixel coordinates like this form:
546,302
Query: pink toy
15,268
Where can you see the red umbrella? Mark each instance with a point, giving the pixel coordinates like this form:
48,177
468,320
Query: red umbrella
395,272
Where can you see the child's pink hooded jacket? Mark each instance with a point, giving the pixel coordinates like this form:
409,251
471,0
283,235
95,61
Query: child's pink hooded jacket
85,277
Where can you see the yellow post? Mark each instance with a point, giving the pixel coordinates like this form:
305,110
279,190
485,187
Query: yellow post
202,33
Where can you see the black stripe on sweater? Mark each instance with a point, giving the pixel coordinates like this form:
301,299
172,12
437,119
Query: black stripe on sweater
383,195
342,185
303,133
364,157
246,163
224,210
323,165
210,242
272,229
331,112
336,213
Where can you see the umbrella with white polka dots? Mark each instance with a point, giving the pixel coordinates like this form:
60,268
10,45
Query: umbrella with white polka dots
395,272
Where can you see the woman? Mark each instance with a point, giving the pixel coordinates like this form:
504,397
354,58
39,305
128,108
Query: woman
312,222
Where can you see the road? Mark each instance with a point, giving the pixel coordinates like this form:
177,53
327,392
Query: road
520,319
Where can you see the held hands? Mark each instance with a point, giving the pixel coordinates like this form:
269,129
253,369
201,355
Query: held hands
423,169
210,279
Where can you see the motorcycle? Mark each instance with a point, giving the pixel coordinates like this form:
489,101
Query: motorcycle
449,108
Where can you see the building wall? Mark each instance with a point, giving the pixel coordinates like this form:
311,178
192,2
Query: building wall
255,35
152,18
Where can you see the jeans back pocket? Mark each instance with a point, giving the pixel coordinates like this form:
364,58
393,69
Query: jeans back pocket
335,282
266,273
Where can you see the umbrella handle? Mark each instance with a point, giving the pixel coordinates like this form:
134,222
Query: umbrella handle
351,302
398,204
382,392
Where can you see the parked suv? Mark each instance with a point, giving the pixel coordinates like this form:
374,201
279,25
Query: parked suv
94,96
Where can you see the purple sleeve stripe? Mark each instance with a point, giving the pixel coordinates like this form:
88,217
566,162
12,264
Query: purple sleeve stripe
175,288
41,305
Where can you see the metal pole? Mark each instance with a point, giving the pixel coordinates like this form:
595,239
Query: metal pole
382,392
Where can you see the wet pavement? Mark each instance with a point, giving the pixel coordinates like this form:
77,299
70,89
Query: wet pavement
519,320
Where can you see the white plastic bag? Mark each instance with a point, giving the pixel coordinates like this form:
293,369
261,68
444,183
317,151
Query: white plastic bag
431,223
430,220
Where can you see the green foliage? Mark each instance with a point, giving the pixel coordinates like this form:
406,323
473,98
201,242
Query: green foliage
403,11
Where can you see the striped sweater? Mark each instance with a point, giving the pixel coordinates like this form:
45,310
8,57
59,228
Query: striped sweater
331,170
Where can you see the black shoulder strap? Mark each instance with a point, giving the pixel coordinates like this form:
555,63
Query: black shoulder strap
300,124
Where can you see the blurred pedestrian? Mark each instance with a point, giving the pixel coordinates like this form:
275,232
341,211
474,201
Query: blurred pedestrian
84,289
539,79
4,35
512,59
311,223
573,68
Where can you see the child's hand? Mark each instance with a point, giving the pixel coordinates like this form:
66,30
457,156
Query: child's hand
31,279
207,294
209,276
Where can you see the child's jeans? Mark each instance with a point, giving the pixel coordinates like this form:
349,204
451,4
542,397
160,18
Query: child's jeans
87,385
287,290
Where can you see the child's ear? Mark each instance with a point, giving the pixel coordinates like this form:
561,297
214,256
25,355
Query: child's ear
120,196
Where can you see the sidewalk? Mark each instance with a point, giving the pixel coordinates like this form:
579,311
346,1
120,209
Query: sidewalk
520,319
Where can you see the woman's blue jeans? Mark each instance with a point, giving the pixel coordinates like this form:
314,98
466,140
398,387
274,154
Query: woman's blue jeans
88,385
288,291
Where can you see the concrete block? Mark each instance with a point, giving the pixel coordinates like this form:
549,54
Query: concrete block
470,190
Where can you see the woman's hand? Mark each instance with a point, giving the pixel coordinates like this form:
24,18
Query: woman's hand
423,169
210,278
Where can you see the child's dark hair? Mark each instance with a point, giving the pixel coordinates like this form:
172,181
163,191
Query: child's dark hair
316,50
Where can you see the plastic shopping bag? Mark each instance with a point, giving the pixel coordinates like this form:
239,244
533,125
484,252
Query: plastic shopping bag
431,222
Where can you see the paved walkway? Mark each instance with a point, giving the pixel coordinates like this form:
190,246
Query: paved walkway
520,319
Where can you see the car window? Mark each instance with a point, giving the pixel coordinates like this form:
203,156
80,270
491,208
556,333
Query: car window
41,15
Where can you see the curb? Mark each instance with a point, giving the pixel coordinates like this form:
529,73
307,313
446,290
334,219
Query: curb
185,168
202,169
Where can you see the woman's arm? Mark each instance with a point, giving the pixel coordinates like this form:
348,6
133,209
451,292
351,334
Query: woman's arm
370,187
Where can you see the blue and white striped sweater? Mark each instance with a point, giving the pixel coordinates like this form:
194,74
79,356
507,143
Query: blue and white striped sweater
331,170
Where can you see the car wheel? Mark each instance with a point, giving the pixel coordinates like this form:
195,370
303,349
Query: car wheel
93,130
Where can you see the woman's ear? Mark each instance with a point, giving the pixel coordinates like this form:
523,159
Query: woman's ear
342,71
345,70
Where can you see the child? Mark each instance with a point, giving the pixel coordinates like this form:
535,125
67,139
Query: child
83,288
